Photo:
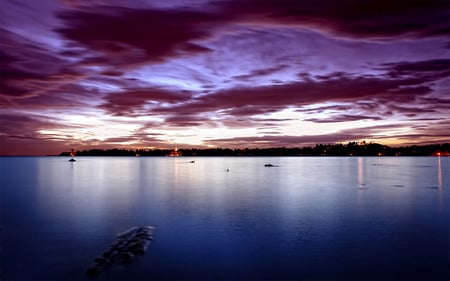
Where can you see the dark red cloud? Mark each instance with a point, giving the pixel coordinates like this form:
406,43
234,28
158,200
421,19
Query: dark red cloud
429,69
412,110
351,18
249,110
112,73
22,54
187,121
439,132
21,126
132,101
169,33
310,92
32,75
280,141
428,134
236,106
250,101
335,108
19,135
343,118
222,64
260,72
357,19
437,102
435,66
160,33
27,146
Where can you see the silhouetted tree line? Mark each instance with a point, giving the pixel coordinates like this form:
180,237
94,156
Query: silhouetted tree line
349,149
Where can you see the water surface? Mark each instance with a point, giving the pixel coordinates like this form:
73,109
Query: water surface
307,218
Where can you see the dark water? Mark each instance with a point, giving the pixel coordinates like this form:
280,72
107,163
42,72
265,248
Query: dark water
309,218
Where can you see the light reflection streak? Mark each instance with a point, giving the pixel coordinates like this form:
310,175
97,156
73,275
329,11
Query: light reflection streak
175,172
439,173
440,202
360,172
439,183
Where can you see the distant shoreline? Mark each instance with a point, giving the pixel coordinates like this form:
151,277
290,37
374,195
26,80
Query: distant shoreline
349,149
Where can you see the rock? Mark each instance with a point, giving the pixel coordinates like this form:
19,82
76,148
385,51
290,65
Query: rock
127,244
126,257
138,248
135,245
110,253
144,236
94,270
137,251
101,260
147,228
127,233
116,247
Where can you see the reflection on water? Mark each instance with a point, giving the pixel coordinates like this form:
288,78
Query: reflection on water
360,171
439,170
306,218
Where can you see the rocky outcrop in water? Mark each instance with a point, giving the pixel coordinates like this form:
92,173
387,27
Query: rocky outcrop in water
123,250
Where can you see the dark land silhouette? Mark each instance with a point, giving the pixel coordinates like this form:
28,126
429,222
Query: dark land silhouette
349,149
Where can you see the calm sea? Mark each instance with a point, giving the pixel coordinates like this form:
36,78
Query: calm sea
307,218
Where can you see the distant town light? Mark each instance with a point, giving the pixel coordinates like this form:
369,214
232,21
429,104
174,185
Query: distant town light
174,153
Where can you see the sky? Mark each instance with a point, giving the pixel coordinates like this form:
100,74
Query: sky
144,74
